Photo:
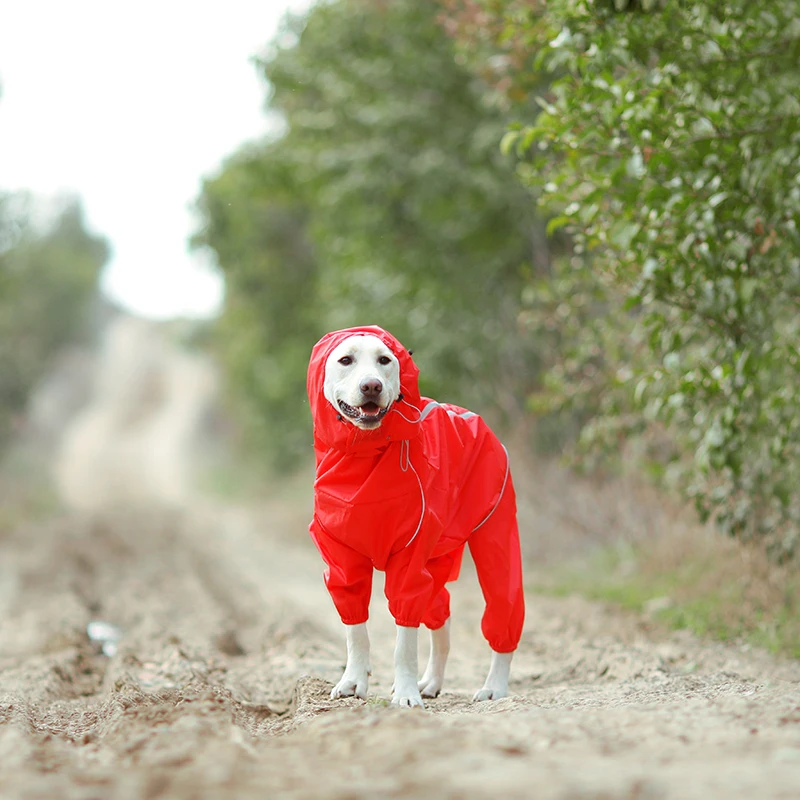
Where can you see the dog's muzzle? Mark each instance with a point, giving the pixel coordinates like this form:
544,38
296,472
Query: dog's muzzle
369,413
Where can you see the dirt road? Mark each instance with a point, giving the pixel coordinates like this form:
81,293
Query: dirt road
229,646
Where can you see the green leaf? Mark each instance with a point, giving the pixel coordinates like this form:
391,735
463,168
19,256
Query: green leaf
623,232
717,198
510,138
556,223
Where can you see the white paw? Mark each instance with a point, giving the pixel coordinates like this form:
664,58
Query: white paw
496,684
406,694
489,693
408,700
351,685
430,687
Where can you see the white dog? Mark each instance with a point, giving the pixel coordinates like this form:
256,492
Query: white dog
403,483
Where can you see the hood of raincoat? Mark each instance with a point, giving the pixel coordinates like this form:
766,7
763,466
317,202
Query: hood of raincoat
331,430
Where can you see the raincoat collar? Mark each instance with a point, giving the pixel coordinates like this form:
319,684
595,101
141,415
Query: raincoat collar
331,432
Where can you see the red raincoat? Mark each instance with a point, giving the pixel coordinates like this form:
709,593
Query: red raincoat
405,497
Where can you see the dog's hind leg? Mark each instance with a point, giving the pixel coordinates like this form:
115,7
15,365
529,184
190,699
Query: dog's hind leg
496,684
496,552
433,677
355,680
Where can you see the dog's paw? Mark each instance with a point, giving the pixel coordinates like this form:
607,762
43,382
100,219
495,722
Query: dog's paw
406,694
408,700
496,684
351,686
430,687
489,693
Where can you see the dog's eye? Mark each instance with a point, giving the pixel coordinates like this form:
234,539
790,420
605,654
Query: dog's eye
345,361
384,360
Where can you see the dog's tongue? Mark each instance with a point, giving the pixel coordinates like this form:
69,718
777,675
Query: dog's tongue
370,409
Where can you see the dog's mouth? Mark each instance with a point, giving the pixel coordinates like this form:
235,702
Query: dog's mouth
369,413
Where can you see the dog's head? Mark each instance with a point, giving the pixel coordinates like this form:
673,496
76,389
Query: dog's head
362,380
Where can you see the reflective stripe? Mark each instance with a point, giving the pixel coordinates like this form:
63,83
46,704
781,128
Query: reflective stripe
502,491
427,410
405,456
433,404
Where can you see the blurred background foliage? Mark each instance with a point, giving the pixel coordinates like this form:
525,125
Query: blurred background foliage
668,146
386,200
581,216
659,139
49,274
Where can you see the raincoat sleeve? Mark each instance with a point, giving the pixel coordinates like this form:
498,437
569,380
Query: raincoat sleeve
348,576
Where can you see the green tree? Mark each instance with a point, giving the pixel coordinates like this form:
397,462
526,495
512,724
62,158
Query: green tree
256,225
48,281
668,145
408,213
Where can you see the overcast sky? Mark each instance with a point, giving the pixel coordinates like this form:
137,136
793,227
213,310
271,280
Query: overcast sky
128,105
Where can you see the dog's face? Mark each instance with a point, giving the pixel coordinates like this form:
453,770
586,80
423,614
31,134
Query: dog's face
362,380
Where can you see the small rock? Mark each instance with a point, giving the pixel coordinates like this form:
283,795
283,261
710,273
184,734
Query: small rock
106,634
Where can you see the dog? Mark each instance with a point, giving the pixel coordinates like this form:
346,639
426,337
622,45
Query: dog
402,484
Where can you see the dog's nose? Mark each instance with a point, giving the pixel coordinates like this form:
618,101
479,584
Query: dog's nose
371,386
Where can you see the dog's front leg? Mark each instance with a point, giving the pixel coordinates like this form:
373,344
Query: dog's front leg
432,679
406,691
496,684
355,680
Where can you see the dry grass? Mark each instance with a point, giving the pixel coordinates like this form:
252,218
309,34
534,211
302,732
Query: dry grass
564,515
721,587
621,541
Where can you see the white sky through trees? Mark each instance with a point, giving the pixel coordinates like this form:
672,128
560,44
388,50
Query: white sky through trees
129,105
